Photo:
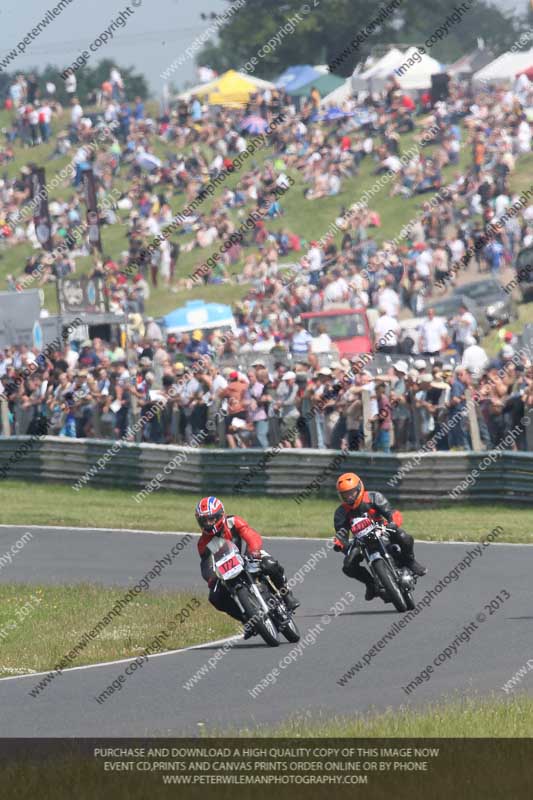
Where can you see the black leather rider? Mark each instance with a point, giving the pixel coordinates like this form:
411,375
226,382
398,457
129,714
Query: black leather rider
376,506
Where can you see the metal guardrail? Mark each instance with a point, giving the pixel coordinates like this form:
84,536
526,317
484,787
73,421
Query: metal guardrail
414,478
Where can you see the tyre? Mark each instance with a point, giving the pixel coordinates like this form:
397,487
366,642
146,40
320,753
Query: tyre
291,632
409,602
388,581
263,625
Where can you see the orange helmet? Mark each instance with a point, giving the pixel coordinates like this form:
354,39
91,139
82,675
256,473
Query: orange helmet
351,489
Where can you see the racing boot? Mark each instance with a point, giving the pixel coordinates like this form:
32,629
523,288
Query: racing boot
277,575
415,567
291,601
407,557
371,591
249,631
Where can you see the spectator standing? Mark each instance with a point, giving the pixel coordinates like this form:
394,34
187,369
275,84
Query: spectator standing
301,339
401,414
384,422
465,326
474,358
236,394
260,402
386,332
286,404
457,407
322,342
433,335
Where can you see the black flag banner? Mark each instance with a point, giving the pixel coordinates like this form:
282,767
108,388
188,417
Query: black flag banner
93,219
41,214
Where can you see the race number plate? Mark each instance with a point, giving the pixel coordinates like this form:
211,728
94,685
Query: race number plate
230,566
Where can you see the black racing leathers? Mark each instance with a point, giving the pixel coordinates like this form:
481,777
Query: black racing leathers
375,505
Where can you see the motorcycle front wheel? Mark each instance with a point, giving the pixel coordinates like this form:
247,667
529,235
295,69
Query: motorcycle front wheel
291,632
388,582
263,625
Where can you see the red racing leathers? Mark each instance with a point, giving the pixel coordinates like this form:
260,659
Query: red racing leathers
236,530
249,541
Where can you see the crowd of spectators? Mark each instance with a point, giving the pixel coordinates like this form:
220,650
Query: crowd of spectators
271,369
490,128
100,390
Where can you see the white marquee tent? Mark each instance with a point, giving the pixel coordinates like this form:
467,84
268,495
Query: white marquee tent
418,73
505,67
375,77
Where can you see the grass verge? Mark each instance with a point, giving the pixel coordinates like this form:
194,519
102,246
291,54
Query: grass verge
469,718
39,625
29,503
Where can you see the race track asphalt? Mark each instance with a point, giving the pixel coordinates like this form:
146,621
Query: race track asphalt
153,701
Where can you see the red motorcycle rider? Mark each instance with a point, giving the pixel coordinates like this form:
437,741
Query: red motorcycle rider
213,521
356,502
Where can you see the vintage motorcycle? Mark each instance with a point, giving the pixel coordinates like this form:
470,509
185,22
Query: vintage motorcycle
260,602
395,583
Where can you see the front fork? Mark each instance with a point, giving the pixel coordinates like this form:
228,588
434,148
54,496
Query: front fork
375,556
405,583
257,594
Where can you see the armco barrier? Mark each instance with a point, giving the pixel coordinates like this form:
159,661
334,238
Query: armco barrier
428,478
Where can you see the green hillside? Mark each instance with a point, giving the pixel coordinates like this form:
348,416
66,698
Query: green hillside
309,218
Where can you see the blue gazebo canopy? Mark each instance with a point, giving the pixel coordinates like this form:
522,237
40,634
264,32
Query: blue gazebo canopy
295,77
198,314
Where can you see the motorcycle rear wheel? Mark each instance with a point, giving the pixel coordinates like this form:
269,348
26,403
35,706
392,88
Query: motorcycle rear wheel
264,626
389,584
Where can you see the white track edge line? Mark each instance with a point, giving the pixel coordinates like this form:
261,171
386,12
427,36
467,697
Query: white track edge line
235,638
73,529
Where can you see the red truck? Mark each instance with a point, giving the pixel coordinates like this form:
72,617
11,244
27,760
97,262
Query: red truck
348,328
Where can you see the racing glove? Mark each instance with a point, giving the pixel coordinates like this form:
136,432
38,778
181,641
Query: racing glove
397,518
340,542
